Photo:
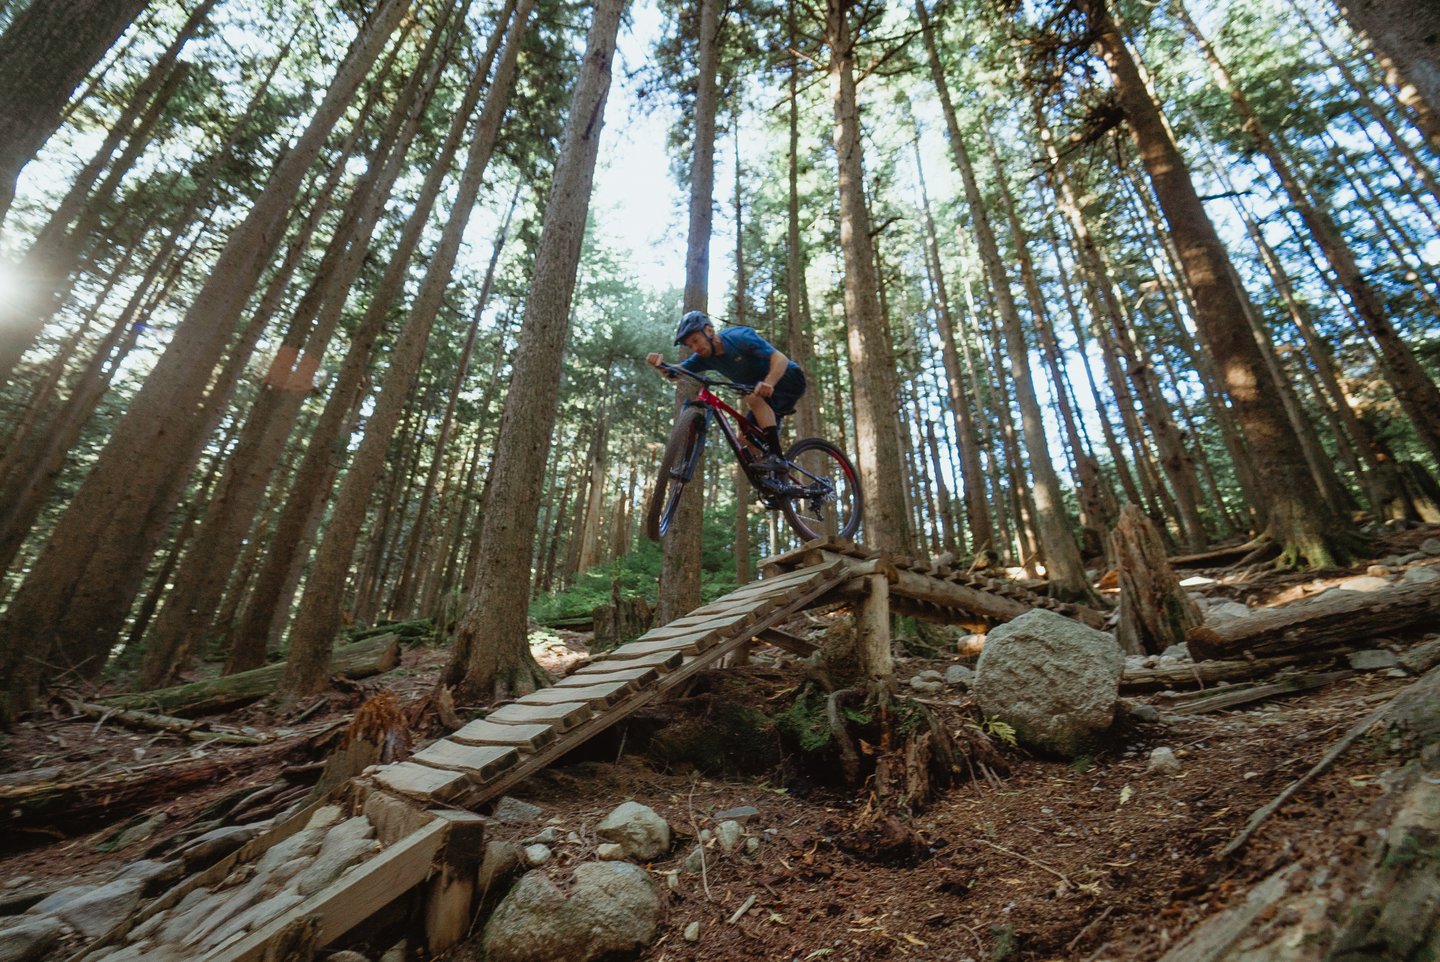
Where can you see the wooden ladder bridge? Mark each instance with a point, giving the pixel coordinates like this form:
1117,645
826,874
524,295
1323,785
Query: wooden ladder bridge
423,808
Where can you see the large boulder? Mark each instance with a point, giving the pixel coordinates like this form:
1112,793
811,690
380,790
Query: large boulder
610,914
1055,681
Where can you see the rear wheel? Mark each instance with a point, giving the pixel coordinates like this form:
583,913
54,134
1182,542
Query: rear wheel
821,492
687,439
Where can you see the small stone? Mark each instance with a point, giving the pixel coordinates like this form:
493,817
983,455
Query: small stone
1412,557
1148,714
29,938
1372,659
547,836
325,816
1164,762
1431,546
1396,673
960,676
537,855
728,835
692,932
512,811
611,852
925,686
1417,576
1363,583
741,814
752,845
1176,653
695,861
1377,571
930,674
637,827
1250,776
573,838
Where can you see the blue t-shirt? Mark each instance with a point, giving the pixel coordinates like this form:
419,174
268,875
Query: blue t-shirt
746,359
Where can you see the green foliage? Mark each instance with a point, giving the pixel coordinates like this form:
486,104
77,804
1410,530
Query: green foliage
804,723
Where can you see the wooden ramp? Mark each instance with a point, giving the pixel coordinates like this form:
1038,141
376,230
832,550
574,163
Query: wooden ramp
486,758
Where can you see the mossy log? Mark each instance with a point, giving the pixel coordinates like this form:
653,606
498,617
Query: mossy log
372,656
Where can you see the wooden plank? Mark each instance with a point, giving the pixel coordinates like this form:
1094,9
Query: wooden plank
791,643
662,661
732,621
689,645
583,677
563,717
755,605
479,763
527,738
417,781
599,695
354,896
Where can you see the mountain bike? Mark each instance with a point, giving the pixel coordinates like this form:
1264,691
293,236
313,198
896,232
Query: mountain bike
816,488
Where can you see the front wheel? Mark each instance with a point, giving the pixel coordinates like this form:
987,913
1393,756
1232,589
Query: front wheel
822,497
687,439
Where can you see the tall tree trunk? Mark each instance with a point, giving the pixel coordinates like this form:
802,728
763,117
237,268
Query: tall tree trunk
1295,514
1063,567
319,617
679,590
46,52
1414,388
490,652
85,580
797,314
329,442
872,366
1406,36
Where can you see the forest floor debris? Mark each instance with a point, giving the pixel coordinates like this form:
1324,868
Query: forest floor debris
1106,857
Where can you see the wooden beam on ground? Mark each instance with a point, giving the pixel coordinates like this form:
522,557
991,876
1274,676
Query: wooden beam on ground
1219,699
1336,617
354,896
791,643
1198,674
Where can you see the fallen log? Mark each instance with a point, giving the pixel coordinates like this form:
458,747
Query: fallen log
1155,612
195,731
73,805
370,657
1204,702
1321,622
1201,673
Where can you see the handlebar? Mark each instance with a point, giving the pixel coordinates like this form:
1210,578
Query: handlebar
675,370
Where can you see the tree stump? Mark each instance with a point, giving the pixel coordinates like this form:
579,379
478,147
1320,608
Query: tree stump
1155,612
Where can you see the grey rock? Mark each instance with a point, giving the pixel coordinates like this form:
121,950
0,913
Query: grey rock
637,827
925,686
1372,659
303,844
138,832
960,676
256,914
1147,714
1431,546
1176,653
741,814
692,932
1377,571
1416,576
930,674
752,845
500,863
102,908
610,914
610,852
29,938
1422,657
694,863
536,855
1054,680
547,836
150,870
216,844
61,897
512,811
1164,762
1412,557
345,845
1225,609
1363,583
729,834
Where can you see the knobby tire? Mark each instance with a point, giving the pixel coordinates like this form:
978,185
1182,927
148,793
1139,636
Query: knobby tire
836,515
687,438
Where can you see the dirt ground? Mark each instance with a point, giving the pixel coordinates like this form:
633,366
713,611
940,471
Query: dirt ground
1093,859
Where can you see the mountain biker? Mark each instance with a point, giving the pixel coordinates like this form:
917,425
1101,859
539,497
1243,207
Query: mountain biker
746,358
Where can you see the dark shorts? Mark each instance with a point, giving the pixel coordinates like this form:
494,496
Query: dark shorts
788,392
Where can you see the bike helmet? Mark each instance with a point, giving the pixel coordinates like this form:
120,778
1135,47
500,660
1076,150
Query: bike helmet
692,322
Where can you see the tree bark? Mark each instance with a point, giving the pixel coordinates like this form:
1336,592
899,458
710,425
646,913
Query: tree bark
1155,612
1406,36
491,657
1295,513
44,55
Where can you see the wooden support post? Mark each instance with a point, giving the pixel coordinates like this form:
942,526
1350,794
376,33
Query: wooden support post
872,633
450,892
